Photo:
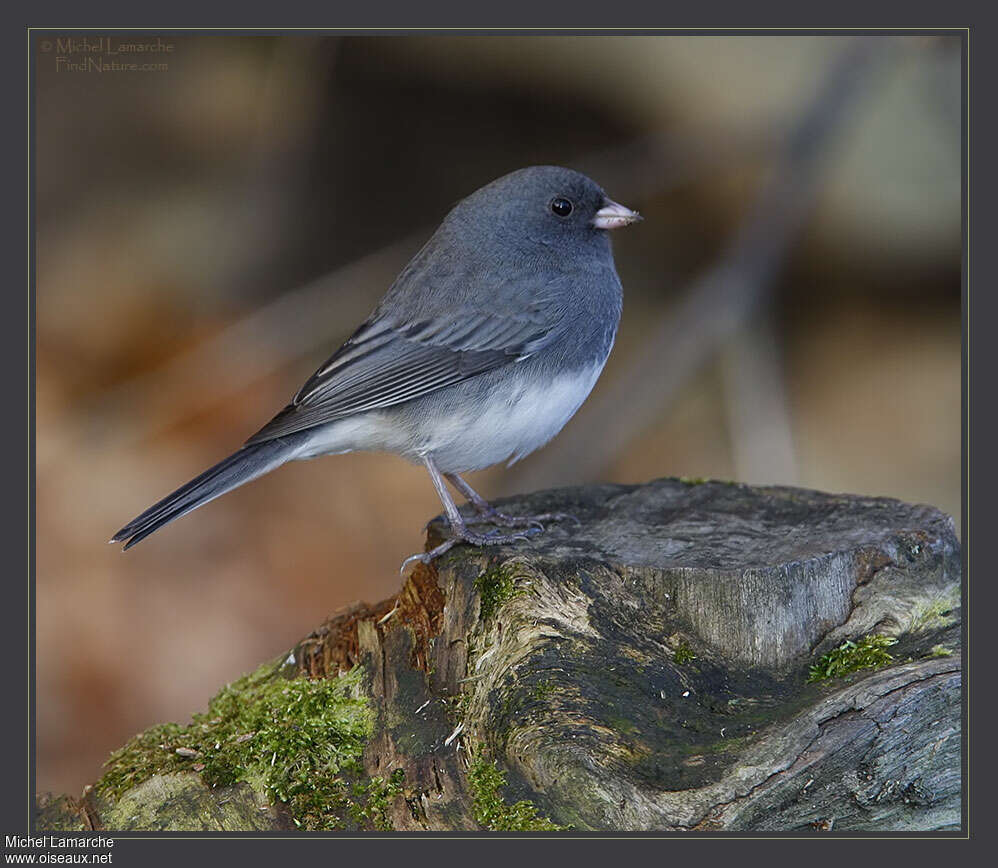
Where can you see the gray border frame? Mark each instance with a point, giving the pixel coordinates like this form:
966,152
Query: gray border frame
18,349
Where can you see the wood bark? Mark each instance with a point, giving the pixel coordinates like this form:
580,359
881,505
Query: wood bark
648,670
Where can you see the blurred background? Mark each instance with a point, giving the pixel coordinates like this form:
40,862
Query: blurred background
210,230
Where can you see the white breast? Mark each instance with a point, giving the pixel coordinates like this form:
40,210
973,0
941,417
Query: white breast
510,423
511,426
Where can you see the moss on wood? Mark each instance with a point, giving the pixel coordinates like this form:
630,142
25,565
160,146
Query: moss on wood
297,741
491,810
870,652
496,586
683,655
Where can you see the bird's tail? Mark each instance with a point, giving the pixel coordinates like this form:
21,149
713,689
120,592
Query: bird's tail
240,467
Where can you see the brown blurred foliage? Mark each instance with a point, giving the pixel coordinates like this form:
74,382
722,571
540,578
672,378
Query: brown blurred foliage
207,233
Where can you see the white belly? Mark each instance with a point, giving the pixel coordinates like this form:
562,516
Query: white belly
527,418
503,426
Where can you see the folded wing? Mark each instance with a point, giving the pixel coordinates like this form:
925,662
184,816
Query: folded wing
385,363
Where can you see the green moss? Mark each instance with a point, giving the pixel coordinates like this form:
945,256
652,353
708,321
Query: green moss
373,799
491,810
940,651
146,754
727,745
542,690
683,655
620,724
693,480
298,741
866,653
496,587
934,614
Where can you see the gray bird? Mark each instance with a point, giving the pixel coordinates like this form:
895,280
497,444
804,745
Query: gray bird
484,347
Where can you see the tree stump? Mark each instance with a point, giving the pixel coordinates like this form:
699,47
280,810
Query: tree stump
694,655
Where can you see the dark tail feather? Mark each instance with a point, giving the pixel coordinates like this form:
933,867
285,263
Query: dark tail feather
242,466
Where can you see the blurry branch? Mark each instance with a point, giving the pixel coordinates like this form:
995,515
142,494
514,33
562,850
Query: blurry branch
755,398
275,164
720,302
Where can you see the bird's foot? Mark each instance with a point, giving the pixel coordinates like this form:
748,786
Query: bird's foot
464,535
536,521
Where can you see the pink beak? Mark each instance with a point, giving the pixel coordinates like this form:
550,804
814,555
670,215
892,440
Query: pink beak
613,215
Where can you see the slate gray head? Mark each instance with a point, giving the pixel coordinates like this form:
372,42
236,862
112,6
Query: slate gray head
544,205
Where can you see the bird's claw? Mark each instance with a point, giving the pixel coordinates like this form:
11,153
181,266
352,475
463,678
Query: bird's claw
427,557
467,536
412,559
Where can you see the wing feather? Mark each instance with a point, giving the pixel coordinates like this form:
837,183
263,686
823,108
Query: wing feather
384,364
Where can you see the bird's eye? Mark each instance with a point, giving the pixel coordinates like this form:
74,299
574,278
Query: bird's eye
562,207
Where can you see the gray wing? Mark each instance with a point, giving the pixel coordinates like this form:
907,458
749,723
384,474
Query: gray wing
385,363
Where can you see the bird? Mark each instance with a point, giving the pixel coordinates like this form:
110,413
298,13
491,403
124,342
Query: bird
483,348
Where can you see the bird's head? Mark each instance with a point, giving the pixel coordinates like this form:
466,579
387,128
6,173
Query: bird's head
543,204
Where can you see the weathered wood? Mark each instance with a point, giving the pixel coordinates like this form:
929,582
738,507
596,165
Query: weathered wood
646,670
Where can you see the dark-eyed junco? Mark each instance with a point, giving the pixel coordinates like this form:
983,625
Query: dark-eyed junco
484,347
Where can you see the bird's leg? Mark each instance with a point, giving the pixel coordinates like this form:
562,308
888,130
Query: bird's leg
459,529
492,515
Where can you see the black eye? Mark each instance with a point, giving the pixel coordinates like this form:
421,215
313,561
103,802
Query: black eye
561,207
